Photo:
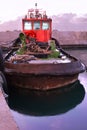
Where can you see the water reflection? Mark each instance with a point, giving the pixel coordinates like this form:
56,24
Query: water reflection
48,103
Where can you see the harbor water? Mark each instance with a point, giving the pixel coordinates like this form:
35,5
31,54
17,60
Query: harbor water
61,109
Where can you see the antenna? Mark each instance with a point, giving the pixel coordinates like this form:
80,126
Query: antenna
36,5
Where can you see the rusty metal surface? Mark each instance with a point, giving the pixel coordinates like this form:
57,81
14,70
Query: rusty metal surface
44,82
45,69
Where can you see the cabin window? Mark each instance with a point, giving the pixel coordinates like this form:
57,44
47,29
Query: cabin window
36,25
27,25
45,25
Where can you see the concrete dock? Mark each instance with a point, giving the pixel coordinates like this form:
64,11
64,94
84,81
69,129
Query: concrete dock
6,120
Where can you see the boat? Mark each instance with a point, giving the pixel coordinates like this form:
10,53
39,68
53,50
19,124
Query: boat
36,61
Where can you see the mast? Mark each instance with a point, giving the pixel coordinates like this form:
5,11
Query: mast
35,5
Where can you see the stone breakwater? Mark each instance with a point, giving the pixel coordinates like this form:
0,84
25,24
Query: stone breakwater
70,38
64,37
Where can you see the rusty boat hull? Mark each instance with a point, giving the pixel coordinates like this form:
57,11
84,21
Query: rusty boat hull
42,76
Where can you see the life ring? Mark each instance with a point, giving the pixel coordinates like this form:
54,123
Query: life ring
31,34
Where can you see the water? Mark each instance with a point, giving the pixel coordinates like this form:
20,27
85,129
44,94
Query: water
81,54
64,109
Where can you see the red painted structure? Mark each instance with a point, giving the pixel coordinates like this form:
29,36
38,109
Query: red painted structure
37,25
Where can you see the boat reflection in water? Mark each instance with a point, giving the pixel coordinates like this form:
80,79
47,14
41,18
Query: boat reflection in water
51,102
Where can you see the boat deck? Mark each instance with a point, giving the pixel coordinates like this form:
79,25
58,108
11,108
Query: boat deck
51,61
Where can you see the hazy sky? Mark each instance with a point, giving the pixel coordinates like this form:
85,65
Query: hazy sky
11,9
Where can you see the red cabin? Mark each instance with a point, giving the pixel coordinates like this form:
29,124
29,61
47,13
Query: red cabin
37,25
